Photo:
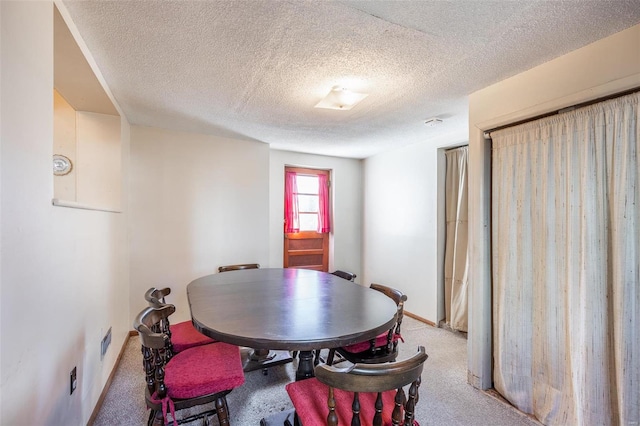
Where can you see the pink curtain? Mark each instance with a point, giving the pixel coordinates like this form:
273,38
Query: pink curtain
291,219
324,224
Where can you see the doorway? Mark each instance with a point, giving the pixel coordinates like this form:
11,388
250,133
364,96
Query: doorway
307,218
454,258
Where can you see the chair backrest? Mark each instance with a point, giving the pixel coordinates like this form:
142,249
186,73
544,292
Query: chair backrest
377,378
238,267
156,345
156,299
343,274
399,297
155,296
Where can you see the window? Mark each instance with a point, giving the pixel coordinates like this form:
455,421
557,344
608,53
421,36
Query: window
306,200
307,195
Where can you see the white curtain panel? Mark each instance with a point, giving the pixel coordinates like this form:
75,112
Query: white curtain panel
456,259
566,252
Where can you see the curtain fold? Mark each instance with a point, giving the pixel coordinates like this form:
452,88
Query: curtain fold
324,213
291,216
456,261
566,265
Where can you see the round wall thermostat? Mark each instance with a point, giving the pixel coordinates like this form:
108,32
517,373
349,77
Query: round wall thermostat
61,165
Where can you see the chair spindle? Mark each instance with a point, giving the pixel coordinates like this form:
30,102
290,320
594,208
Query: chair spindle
396,417
377,418
355,408
147,362
332,418
410,406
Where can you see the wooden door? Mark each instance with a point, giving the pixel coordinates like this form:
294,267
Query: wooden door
307,249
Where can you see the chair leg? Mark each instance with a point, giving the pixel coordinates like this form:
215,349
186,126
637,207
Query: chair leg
332,353
296,420
222,411
155,418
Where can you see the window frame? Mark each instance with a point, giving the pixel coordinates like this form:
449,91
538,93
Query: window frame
310,172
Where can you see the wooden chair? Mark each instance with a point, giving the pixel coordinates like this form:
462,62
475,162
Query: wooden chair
238,267
346,275
362,394
182,335
194,377
259,359
384,347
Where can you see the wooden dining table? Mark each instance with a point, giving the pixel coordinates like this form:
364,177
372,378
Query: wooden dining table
288,309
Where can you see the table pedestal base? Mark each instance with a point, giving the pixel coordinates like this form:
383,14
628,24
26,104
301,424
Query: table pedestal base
305,365
261,359
279,419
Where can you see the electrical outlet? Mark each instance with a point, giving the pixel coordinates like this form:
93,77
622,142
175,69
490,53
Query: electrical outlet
104,344
74,381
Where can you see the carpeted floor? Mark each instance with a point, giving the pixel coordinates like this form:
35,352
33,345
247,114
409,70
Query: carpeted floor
445,396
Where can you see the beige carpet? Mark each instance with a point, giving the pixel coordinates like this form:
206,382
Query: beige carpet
445,396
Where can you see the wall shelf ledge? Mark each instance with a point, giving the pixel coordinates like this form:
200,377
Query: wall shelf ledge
75,205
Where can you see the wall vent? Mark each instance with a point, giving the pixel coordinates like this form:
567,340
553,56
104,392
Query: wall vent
104,345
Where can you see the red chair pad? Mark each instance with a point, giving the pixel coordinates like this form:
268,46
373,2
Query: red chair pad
381,340
309,397
204,370
185,336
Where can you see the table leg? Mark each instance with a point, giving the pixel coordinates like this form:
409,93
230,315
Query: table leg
286,418
305,365
264,358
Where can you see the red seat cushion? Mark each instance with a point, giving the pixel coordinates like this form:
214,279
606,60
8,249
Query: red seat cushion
203,370
185,336
381,340
309,398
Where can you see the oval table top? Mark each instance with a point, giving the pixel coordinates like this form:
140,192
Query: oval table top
287,309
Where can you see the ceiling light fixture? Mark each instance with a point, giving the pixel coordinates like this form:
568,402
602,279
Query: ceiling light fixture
432,122
341,98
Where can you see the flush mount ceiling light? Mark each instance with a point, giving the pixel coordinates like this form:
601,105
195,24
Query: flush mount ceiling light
341,98
432,122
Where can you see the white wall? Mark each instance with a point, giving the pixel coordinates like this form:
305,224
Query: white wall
346,190
606,67
99,160
64,272
197,202
400,244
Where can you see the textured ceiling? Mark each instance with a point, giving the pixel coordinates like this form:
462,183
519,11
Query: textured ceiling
254,69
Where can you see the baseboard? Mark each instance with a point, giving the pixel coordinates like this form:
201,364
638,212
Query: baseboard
103,395
419,318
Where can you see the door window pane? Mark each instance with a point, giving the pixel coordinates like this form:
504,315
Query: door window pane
308,203
308,222
307,184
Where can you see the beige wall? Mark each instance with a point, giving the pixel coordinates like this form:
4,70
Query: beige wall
347,207
98,164
197,202
92,143
64,143
606,67
402,222
64,272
